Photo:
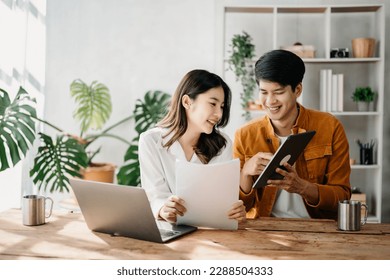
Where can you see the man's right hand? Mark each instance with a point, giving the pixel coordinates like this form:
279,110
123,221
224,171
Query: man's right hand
256,164
252,167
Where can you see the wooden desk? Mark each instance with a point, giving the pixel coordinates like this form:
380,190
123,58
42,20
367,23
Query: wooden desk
66,236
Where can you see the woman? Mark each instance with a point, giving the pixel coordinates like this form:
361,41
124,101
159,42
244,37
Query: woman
200,105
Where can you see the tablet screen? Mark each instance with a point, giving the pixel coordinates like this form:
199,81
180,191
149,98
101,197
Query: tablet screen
289,151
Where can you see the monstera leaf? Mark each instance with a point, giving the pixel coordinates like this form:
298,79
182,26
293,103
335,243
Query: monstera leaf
147,113
17,127
56,161
151,110
93,104
129,174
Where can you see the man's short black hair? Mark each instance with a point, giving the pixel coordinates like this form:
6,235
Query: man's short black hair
280,66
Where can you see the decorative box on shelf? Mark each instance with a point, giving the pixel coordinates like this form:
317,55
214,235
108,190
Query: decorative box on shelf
362,198
303,51
359,197
254,105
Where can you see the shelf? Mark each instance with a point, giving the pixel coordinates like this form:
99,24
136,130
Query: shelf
301,10
355,113
341,60
355,9
324,26
262,10
365,166
333,113
372,219
333,60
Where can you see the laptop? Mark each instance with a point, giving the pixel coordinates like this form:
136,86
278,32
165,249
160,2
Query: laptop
289,152
122,211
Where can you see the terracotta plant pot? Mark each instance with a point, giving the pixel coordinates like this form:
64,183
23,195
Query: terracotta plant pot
363,47
101,172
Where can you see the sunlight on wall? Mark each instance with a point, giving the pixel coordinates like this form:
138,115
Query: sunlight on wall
22,63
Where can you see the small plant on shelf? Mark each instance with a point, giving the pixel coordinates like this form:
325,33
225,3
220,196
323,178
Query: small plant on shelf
364,98
363,94
241,63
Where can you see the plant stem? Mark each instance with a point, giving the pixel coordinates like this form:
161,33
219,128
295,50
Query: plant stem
118,123
49,124
91,138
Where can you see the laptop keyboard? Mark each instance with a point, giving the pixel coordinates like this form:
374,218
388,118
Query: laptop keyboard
168,233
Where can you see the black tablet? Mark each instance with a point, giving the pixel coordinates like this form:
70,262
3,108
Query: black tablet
289,151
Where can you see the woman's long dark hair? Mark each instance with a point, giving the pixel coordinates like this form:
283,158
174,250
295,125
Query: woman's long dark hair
194,83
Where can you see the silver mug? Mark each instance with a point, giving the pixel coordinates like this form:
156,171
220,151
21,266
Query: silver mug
349,215
34,209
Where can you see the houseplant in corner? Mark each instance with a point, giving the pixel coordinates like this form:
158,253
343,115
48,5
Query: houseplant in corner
240,62
69,154
364,98
65,154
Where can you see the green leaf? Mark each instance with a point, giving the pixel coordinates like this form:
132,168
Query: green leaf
147,113
93,104
17,127
129,174
365,94
56,161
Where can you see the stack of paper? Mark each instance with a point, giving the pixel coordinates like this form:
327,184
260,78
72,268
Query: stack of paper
209,192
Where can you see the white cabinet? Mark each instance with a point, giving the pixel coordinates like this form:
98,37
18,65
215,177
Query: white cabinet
324,27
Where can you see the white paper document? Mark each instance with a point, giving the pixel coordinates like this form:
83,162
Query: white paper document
209,191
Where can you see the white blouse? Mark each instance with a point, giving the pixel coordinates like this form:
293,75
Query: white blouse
157,164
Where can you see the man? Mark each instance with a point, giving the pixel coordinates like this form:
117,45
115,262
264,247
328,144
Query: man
320,177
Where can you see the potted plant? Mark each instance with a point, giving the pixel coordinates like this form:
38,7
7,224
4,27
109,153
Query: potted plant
364,97
66,154
71,155
240,62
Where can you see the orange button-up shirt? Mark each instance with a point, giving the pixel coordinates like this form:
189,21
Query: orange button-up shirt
324,162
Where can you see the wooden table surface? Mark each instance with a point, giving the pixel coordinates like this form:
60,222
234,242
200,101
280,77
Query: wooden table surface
66,236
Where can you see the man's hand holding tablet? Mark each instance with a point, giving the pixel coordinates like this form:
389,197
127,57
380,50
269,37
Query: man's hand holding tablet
288,152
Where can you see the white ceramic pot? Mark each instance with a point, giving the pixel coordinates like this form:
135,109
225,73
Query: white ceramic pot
363,106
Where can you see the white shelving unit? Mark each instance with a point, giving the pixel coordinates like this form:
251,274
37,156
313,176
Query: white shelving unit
325,27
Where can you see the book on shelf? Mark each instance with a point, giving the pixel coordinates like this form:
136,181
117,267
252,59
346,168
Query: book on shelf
331,91
333,98
323,90
340,92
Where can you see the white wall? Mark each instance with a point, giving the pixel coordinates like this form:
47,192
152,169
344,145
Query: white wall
131,46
